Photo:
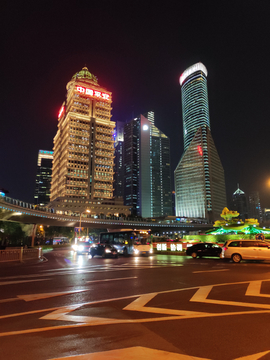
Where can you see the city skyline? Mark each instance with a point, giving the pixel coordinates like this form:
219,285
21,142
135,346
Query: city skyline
141,65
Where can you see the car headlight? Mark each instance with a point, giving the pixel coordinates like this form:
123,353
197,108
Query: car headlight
151,251
107,250
80,248
136,251
75,247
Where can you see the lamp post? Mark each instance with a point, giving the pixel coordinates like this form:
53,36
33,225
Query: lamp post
88,211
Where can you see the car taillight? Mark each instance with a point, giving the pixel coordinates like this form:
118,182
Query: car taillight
225,248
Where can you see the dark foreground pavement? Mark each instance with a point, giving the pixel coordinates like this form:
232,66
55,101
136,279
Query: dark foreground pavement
134,307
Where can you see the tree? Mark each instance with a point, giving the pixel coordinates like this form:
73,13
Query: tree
11,233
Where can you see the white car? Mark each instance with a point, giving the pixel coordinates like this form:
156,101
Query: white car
236,250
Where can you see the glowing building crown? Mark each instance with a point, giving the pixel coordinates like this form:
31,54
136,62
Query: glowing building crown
192,69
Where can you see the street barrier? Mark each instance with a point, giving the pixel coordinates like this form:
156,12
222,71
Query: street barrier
20,254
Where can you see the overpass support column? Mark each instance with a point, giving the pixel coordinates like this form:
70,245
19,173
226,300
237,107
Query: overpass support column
33,234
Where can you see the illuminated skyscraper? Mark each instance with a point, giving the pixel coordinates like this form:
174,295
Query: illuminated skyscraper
199,175
239,203
147,168
119,162
44,177
255,210
84,148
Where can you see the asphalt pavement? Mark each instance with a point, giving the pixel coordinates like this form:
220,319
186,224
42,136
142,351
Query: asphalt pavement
71,306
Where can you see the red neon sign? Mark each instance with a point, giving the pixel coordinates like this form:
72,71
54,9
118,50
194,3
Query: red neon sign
199,150
94,93
61,111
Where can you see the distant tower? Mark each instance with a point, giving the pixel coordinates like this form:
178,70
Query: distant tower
199,175
239,203
147,168
119,161
255,210
43,177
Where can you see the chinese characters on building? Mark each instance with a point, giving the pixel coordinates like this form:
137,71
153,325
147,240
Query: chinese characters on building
94,93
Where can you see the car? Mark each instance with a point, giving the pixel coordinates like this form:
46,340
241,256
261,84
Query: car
236,250
204,249
104,250
82,247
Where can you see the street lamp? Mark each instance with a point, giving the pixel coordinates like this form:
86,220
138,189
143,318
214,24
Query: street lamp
88,211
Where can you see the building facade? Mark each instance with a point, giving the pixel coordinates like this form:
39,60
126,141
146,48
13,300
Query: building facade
43,177
82,174
147,187
240,204
119,161
199,175
255,210
161,190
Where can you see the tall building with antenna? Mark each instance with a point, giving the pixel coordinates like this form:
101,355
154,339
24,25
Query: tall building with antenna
82,173
199,175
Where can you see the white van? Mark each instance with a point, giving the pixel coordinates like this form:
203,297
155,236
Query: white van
236,250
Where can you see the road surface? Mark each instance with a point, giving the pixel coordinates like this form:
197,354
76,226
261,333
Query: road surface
75,307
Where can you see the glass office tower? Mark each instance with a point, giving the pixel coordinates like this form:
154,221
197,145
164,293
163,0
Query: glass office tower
240,204
199,175
43,177
147,187
195,110
255,210
161,198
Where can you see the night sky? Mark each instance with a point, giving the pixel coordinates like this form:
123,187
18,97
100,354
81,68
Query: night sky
138,50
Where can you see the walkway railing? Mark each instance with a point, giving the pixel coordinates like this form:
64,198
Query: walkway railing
26,205
20,254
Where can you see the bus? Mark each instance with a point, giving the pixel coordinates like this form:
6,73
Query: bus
125,242
60,240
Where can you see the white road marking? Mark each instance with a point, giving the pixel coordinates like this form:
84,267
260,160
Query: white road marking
27,313
131,353
20,281
253,357
94,321
32,297
203,292
8,300
62,313
64,307
125,278
25,276
205,271
139,305
95,269
254,289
